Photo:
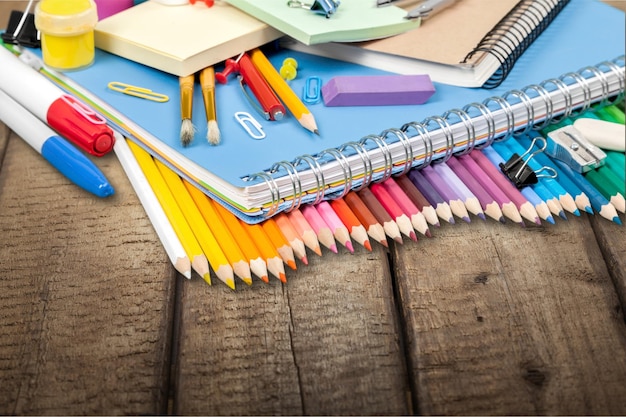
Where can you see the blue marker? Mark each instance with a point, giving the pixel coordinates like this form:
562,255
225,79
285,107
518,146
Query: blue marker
60,153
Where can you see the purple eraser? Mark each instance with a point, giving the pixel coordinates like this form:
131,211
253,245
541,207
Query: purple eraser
377,90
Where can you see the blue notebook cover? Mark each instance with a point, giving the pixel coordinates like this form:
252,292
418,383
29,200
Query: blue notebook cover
585,33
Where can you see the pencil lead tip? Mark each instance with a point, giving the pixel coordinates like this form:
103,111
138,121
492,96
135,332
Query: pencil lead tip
413,236
207,278
213,134
367,245
247,280
481,216
317,132
398,240
282,277
305,260
187,131
265,279
230,283
384,243
349,246
562,215
427,233
617,220
589,210
292,264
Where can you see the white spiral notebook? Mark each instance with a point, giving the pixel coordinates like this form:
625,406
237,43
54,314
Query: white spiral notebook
564,70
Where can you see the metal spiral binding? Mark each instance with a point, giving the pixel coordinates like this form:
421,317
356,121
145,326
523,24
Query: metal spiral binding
415,132
295,182
507,42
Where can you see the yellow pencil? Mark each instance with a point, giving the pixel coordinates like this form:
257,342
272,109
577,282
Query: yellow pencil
224,237
284,91
207,83
217,259
187,129
199,262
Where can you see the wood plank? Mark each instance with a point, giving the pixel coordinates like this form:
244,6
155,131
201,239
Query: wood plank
325,343
86,294
510,320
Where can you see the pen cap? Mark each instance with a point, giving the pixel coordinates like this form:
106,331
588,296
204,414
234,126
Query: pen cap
93,137
66,26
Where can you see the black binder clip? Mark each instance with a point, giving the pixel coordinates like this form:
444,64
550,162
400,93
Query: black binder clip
519,172
323,7
21,30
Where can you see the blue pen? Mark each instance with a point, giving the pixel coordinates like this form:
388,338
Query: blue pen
60,153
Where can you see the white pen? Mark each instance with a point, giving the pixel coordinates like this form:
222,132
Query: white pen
428,8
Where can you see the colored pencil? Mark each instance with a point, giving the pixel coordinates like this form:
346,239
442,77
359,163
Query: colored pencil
258,265
386,200
436,200
599,203
489,159
207,83
449,195
389,225
268,251
224,237
374,229
351,221
199,262
508,207
340,231
616,161
323,232
301,113
430,214
304,229
293,237
404,202
605,181
167,235
279,241
467,197
211,248
489,205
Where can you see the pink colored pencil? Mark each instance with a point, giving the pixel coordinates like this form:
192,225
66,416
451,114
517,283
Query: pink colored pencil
304,229
323,232
404,202
292,236
340,231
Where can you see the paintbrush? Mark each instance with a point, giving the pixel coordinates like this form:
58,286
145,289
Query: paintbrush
207,82
187,129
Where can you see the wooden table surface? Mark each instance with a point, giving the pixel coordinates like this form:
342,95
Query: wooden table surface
482,318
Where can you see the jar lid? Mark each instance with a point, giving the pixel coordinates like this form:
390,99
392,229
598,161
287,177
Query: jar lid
58,18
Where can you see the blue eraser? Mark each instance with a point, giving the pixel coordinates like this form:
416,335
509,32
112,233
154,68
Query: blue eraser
377,90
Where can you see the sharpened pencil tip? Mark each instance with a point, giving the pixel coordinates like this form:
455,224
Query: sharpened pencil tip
367,245
207,278
247,280
398,240
589,210
350,247
384,243
617,220
265,279
550,220
317,132
427,233
292,264
305,260
282,277
187,131
213,134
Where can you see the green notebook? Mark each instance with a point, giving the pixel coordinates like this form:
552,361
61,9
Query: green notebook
353,20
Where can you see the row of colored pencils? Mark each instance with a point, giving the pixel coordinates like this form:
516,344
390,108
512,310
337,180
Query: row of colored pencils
203,236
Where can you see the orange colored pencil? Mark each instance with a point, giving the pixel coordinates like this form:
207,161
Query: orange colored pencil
292,236
225,239
267,249
374,229
351,221
279,241
304,229
258,266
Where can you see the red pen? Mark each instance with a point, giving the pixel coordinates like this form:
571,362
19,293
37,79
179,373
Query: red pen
20,78
272,108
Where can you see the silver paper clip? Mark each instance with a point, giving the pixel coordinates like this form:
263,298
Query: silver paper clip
568,145
323,7
249,123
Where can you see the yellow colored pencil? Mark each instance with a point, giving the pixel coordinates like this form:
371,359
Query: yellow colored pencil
227,242
284,91
279,241
199,261
217,259
258,266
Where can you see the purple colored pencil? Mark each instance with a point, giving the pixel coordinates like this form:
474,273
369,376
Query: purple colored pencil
449,195
489,205
458,186
432,195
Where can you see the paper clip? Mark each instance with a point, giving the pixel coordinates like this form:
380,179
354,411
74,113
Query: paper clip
517,170
311,93
568,145
249,123
324,7
84,110
135,91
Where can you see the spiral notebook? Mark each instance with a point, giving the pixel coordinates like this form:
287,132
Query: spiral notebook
357,145
450,50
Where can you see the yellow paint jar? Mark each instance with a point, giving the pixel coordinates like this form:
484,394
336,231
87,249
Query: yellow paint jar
66,26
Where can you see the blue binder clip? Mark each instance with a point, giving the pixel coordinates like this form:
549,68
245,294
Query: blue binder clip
324,7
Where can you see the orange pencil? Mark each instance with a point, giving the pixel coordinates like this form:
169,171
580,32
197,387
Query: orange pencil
267,249
351,221
305,230
292,236
225,239
257,264
374,229
280,242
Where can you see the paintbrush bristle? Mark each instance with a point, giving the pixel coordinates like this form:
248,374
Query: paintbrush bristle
187,131
213,134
